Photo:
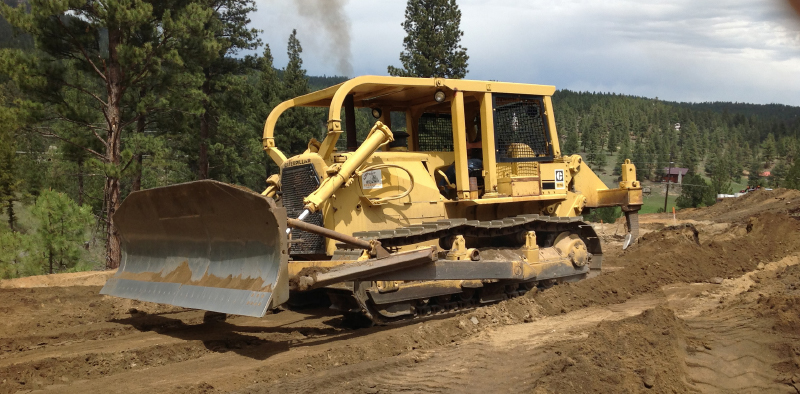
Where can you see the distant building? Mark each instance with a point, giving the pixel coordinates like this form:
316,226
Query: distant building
674,174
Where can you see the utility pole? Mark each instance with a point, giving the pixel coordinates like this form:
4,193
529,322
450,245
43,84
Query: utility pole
669,177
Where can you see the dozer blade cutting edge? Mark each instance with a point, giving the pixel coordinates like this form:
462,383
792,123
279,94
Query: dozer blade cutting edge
205,245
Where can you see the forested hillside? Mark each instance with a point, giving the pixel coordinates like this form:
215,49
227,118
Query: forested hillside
722,141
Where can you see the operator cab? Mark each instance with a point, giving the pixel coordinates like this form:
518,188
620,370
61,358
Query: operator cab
521,138
479,138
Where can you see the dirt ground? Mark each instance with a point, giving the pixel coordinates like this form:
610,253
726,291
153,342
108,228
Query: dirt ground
706,302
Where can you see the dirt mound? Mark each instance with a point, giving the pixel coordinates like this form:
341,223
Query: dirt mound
92,278
756,202
630,355
674,255
779,299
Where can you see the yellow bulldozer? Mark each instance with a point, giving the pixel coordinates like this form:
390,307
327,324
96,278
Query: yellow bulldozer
468,201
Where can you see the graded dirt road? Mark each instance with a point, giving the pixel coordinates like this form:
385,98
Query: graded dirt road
706,302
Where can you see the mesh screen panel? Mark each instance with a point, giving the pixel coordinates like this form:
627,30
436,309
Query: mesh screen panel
435,133
297,183
520,129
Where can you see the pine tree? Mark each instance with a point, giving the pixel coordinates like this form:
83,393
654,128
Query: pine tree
792,180
695,192
778,174
754,177
613,140
719,174
89,58
789,146
13,250
270,89
298,125
571,145
768,149
624,153
640,159
295,80
690,154
60,232
269,86
9,179
432,44
229,27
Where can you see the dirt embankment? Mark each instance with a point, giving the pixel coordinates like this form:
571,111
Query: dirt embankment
711,326
91,278
786,201
676,255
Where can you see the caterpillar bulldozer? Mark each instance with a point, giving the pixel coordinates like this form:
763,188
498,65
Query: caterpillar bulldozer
462,198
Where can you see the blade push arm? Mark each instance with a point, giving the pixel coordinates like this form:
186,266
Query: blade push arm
341,174
379,135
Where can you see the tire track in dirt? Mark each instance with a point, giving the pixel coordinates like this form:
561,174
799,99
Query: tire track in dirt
157,341
469,366
735,354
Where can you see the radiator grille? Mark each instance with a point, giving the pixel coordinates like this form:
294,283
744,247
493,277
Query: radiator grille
297,183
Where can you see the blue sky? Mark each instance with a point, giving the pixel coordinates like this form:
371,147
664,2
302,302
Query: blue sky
681,50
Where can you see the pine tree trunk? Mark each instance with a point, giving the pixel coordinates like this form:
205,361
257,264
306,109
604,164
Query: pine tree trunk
111,191
137,177
202,162
12,218
80,182
50,260
111,196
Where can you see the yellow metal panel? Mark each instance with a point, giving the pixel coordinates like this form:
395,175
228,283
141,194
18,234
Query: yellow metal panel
460,145
502,200
329,143
551,122
487,140
519,186
386,118
411,129
498,87
585,181
572,206
617,197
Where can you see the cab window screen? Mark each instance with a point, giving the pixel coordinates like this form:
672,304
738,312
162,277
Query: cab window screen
435,133
520,129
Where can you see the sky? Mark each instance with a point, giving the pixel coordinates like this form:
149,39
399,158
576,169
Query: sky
676,50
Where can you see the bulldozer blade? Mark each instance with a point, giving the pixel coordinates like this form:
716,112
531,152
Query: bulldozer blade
204,245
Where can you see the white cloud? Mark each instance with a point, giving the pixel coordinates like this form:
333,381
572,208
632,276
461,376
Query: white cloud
686,50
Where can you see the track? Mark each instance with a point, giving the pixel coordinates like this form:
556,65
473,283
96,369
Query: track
656,317
489,236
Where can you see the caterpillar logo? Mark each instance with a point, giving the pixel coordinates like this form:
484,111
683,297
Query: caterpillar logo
560,179
296,163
